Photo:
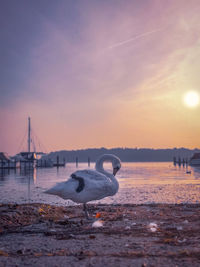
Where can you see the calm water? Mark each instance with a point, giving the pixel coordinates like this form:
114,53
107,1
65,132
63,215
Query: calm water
155,182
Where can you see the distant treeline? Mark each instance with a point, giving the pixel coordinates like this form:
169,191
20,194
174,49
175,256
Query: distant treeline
125,154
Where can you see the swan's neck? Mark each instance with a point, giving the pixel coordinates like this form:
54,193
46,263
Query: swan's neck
99,167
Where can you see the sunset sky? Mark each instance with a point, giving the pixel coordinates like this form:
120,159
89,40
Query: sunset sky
100,73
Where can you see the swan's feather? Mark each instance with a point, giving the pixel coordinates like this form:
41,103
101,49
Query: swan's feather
86,185
80,181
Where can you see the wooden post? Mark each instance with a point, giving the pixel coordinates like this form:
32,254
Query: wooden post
88,161
15,165
76,162
57,161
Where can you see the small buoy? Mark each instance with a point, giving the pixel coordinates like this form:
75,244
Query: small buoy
98,215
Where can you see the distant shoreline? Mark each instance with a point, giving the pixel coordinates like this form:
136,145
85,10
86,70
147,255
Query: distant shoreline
125,154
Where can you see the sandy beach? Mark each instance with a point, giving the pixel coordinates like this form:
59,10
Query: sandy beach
127,235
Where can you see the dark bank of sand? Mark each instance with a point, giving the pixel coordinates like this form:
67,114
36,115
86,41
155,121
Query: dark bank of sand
130,235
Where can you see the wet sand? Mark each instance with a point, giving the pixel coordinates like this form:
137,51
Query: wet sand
131,235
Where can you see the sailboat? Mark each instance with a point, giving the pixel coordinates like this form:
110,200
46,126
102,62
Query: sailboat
31,159
195,160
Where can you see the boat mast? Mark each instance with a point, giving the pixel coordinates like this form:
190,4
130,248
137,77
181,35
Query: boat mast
29,134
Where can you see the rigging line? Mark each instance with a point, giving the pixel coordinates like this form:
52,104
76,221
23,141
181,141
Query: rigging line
21,143
33,143
41,146
34,139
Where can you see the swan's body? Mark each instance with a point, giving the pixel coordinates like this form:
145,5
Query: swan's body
87,185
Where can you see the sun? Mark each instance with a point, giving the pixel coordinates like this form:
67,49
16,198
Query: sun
191,99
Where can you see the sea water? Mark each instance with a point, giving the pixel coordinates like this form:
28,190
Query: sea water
139,182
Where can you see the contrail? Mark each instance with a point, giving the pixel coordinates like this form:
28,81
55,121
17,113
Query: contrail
133,39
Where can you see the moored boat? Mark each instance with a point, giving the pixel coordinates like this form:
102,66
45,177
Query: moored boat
195,160
7,162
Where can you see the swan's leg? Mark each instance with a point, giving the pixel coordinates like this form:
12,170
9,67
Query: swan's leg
86,211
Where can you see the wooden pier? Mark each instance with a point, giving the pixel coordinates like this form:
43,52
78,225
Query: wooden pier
77,161
58,163
8,164
180,161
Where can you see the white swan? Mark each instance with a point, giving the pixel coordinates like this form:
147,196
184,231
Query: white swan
87,185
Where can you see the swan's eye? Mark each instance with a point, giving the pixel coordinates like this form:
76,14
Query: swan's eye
118,167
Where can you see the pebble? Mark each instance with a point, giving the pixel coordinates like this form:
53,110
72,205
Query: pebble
97,224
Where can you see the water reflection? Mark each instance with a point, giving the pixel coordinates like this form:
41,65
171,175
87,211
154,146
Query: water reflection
26,176
196,171
20,175
137,180
4,173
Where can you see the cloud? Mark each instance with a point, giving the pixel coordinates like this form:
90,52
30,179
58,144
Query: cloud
134,38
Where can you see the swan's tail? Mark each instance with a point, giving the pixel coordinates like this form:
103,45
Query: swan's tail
55,190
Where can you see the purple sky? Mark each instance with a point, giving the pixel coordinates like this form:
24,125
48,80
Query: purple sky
99,73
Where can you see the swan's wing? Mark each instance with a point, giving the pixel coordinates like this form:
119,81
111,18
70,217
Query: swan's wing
90,180
91,175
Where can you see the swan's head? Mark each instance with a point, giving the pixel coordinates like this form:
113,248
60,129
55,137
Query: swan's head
115,170
116,165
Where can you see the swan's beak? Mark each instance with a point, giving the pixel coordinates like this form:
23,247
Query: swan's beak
115,170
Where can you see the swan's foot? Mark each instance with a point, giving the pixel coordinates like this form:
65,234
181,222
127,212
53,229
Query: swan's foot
86,212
